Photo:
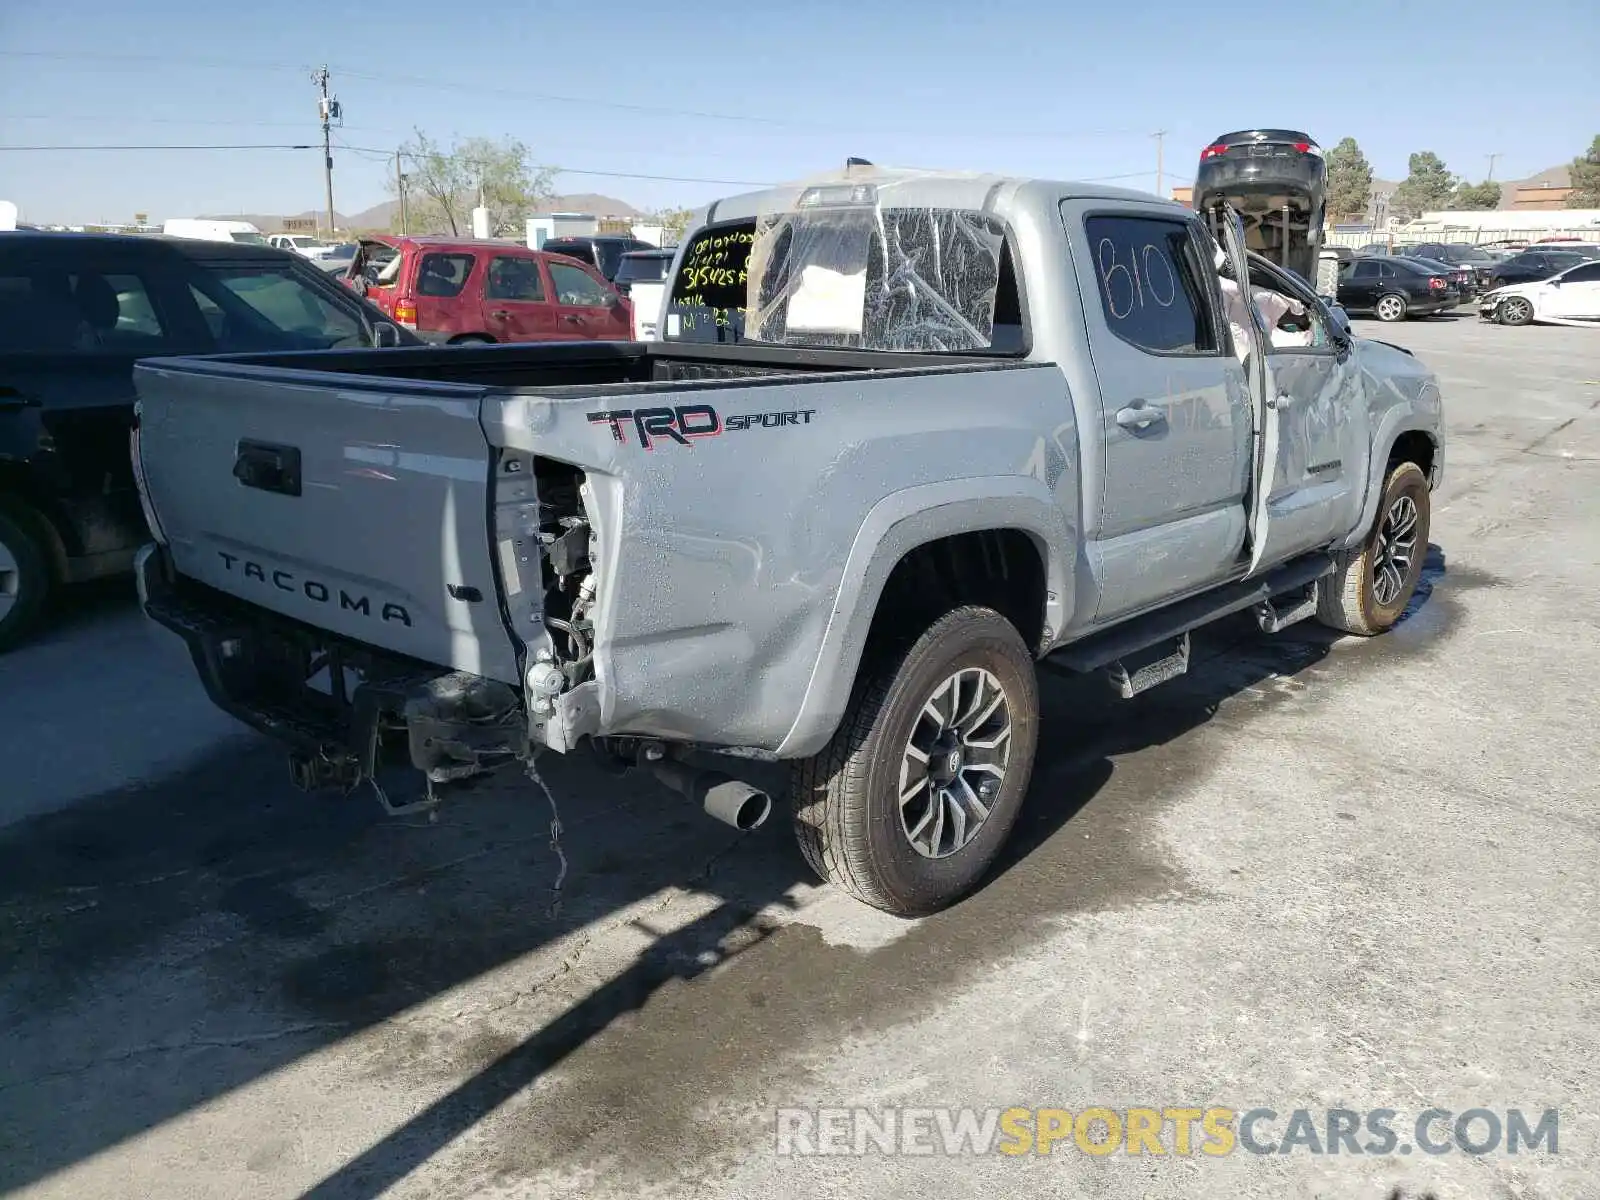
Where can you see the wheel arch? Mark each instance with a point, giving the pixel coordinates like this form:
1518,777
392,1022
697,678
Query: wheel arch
1015,525
32,508
1403,437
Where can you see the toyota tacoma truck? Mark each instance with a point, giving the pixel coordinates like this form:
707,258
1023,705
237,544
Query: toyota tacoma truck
906,438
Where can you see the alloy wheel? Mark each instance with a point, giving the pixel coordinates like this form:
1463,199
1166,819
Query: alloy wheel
954,762
1397,547
10,580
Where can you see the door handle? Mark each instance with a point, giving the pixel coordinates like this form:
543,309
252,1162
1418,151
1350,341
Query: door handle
500,314
572,319
268,467
1140,416
1280,401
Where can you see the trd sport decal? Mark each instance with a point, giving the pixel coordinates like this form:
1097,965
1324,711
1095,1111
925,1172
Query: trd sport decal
689,421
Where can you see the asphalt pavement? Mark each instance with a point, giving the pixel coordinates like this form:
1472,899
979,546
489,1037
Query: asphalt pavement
1315,873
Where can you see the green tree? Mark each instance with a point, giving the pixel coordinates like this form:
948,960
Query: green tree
674,223
1349,181
1586,178
1476,195
444,184
1427,188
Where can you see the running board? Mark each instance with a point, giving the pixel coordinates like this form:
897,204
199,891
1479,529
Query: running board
1127,639
1274,619
1155,664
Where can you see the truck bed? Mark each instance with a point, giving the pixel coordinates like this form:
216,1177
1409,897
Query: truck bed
588,365
408,502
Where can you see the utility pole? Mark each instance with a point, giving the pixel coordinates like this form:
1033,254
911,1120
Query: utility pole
1161,136
328,109
1491,158
400,191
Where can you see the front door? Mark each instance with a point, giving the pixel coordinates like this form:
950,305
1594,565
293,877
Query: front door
1307,477
517,308
587,306
1577,297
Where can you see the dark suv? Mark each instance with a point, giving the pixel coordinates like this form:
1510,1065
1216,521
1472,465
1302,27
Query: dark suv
1479,263
76,311
603,251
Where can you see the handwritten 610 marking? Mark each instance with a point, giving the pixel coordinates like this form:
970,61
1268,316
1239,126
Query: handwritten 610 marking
1138,285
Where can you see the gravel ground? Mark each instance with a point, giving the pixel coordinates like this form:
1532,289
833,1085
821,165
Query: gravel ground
1314,873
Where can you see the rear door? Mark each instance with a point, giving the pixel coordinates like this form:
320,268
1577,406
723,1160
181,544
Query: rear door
448,289
357,504
1359,286
516,303
586,306
1175,418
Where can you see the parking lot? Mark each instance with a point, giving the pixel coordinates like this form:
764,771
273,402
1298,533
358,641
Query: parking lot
1314,873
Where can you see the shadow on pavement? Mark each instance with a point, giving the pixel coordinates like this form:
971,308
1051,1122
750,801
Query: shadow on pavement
169,943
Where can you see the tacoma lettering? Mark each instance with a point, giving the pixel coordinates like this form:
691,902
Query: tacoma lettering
312,589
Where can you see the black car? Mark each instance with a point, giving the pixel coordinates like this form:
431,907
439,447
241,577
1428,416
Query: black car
1274,178
76,311
1393,289
1531,266
1463,279
603,251
642,266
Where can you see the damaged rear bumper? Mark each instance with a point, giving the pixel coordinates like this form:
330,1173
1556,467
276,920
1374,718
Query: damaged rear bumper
376,709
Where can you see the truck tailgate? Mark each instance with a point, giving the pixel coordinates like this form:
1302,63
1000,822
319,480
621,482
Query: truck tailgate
333,501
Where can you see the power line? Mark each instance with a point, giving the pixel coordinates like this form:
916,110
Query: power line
589,102
172,146
386,155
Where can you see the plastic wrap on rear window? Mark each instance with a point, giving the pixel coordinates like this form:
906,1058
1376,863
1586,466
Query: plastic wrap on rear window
869,276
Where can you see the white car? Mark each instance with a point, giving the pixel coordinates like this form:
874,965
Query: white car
1569,297
302,244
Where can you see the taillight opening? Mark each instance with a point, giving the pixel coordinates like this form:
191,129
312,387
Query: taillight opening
1216,151
405,312
1436,283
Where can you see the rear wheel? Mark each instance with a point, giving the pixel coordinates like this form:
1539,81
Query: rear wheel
909,804
1391,307
1374,581
24,577
1516,310
472,339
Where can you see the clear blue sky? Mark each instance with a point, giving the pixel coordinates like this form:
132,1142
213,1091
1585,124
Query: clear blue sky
763,91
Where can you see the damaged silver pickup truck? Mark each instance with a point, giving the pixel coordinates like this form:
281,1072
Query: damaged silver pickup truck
906,437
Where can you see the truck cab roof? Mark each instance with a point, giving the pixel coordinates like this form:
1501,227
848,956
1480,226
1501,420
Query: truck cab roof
911,188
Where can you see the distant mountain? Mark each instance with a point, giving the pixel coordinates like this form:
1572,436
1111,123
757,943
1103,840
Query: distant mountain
382,216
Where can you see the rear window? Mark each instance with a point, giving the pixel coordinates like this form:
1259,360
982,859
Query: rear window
50,311
946,283
708,295
443,275
643,268
249,239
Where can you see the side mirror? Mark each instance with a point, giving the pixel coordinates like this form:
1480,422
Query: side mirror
385,336
1339,322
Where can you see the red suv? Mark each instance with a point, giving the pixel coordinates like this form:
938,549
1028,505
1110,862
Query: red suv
456,291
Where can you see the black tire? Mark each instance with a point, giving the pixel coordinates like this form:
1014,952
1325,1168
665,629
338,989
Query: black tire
24,577
846,799
1391,307
1349,599
1516,310
472,339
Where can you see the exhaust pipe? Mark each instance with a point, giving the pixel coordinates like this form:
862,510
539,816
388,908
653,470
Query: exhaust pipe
731,801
